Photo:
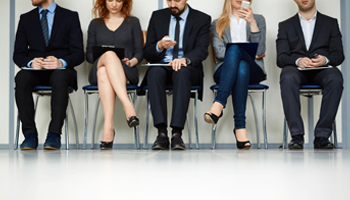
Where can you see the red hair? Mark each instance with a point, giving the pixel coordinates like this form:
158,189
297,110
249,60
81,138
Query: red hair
100,9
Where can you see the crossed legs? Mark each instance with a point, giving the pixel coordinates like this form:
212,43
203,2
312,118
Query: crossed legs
111,80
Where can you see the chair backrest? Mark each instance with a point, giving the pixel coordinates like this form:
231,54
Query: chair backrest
144,37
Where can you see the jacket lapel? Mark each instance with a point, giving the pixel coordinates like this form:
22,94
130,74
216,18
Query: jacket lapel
35,17
188,26
297,27
56,23
317,29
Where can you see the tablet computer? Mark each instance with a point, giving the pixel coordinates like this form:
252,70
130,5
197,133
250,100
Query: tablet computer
249,47
314,68
97,51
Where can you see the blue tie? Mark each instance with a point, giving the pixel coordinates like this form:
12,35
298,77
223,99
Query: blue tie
44,26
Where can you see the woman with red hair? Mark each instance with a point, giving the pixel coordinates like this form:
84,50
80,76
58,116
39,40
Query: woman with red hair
114,27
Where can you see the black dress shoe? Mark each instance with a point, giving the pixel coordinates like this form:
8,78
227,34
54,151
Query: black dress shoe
297,142
107,145
323,143
241,145
133,121
161,143
177,143
211,118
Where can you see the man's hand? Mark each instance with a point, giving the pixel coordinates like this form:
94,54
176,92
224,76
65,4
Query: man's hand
304,62
37,63
52,62
176,63
165,44
318,61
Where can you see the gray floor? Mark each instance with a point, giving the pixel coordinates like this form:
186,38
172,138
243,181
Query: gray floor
204,174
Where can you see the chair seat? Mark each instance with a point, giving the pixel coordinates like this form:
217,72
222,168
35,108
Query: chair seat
95,87
310,86
48,87
170,87
250,87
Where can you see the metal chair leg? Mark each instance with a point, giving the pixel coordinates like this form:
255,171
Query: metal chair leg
189,131
264,118
285,131
335,135
310,101
94,123
66,130
214,128
86,117
256,119
17,131
75,123
195,112
145,143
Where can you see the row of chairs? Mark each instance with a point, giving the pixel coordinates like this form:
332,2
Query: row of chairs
306,90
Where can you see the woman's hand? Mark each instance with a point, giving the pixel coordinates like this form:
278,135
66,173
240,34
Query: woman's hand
248,15
131,62
127,61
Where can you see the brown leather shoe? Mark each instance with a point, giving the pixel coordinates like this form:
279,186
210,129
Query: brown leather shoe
161,143
177,143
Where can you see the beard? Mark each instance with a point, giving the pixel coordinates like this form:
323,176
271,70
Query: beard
177,12
308,8
38,2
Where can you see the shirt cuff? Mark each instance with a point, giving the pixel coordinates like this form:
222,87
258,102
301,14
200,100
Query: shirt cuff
64,63
296,62
326,60
158,51
29,64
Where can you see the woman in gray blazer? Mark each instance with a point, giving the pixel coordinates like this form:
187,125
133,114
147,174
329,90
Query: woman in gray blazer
235,69
114,27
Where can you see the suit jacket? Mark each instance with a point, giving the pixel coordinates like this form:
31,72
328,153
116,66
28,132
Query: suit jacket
66,40
259,37
195,39
326,41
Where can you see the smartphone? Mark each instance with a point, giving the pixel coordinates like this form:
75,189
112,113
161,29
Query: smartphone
167,39
245,4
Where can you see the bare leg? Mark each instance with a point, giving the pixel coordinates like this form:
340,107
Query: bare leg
216,109
111,75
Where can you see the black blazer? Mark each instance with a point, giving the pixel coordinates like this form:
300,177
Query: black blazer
66,40
195,40
326,41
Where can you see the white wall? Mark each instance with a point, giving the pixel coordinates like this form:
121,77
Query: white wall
274,12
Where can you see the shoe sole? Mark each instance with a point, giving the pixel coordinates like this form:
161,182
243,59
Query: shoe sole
295,148
244,148
28,148
134,123
208,119
50,148
178,147
105,148
159,148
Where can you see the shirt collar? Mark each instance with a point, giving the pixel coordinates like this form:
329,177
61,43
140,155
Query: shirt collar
302,18
51,8
184,15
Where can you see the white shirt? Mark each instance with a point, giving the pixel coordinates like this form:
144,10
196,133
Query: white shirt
308,27
238,29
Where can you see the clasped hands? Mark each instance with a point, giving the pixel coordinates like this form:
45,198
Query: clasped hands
167,44
50,62
312,63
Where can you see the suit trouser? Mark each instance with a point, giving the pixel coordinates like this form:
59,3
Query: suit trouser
59,81
182,80
331,81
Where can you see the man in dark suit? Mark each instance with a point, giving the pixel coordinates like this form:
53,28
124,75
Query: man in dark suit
49,44
178,35
305,42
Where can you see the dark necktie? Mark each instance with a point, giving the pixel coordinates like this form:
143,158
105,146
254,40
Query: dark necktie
44,26
177,38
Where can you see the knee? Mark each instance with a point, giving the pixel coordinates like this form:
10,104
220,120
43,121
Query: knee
233,49
289,77
334,79
102,74
58,78
244,69
24,79
110,57
156,74
182,74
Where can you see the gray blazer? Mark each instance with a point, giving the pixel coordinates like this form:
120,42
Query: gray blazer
260,37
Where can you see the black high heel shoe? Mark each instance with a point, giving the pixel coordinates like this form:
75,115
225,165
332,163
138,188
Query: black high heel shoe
212,118
107,145
133,121
241,145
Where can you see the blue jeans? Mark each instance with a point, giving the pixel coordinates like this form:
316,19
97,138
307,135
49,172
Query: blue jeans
234,76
